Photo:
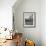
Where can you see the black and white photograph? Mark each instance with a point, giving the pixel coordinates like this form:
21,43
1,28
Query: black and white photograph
29,19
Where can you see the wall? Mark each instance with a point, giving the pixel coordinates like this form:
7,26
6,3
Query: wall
28,6
43,22
6,13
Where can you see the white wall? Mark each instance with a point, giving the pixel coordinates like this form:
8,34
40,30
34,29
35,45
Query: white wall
43,22
28,6
37,34
6,13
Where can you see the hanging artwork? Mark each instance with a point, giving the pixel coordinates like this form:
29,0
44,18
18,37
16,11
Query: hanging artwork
13,23
29,19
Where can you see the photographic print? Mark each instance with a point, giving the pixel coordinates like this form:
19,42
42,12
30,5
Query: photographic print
13,22
29,19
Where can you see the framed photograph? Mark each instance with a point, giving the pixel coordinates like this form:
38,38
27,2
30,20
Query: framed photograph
29,19
13,22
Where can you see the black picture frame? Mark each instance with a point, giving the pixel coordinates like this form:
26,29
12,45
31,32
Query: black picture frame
29,19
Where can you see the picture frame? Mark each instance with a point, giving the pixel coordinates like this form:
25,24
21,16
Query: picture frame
29,19
13,22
